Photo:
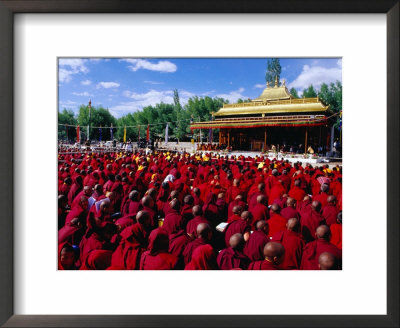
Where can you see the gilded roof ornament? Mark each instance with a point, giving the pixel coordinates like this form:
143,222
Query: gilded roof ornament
276,81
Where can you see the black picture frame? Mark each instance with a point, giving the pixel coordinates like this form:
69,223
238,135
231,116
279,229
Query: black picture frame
7,11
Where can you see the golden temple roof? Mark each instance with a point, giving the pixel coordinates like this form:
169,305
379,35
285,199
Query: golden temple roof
274,100
275,93
301,105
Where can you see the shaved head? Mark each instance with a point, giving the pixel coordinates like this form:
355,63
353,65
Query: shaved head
323,232
196,210
324,187
143,217
236,241
327,261
291,202
147,201
293,224
261,199
134,195
237,209
247,216
275,208
274,252
262,226
175,204
331,199
316,205
204,231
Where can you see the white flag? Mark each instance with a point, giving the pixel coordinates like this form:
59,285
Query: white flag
166,134
88,132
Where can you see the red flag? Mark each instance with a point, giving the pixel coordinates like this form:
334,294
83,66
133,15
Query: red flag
77,133
148,133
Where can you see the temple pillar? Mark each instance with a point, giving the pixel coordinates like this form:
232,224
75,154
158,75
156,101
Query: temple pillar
332,137
265,139
305,142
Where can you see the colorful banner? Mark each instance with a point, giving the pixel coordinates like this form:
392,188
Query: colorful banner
78,134
166,134
99,134
124,134
148,133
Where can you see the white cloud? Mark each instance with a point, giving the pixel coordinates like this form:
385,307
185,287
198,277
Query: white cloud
69,67
153,82
82,94
316,75
86,82
107,85
163,66
233,96
260,86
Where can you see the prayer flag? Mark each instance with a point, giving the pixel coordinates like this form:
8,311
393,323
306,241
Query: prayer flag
148,132
88,136
124,134
166,134
77,134
112,132
99,134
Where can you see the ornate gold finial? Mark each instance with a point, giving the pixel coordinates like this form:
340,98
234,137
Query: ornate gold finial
276,81
283,83
267,84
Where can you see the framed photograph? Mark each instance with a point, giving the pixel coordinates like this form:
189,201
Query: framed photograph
84,59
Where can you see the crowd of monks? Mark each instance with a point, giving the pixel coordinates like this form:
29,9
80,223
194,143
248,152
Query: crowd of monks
164,211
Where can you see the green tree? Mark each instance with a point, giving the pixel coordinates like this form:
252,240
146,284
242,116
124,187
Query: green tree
100,117
309,92
274,70
66,132
294,93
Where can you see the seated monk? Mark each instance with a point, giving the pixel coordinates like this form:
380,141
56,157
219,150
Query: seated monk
133,243
157,256
277,222
237,211
290,210
260,210
327,261
293,242
203,258
132,205
330,211
66,257
254,248
323,195
186,210
336,231
310,220
238,201
204,236
273,256
241,226
233,257
296,191
148,206
314,249
191,227
97,259
173,221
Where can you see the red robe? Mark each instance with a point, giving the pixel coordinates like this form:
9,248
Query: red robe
191,227
310,221
263,265
254,248
173,222
329,213
161,261
260,212
293,244
297,193
336,238
276,224
190,247
203,259
229,259
322,198
290,212
238,226
314,249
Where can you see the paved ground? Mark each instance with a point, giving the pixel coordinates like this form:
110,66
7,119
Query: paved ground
189,147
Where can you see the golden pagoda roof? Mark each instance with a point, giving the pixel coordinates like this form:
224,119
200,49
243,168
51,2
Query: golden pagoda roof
291,105
275,93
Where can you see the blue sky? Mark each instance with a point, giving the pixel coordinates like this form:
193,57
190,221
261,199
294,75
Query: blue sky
129,84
